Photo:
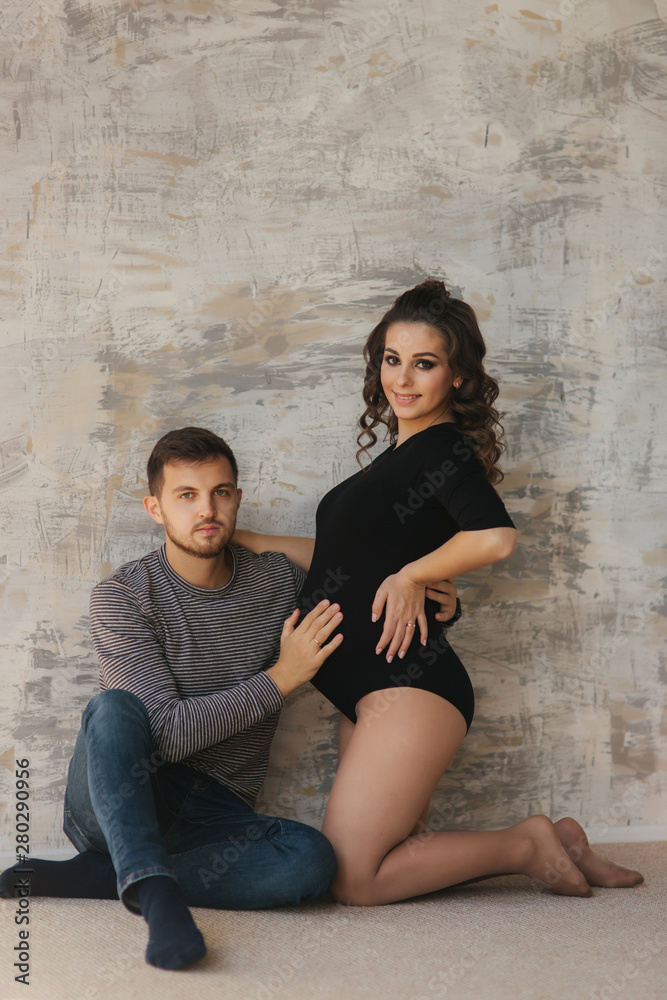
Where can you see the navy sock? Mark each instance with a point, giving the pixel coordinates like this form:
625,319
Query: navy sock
174,940
87,876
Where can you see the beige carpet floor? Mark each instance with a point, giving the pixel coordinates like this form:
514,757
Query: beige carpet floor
503,939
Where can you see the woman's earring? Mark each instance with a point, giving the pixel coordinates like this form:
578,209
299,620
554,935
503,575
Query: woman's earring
457,384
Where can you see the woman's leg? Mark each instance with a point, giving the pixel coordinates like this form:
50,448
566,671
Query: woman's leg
597,871
395,755
345,730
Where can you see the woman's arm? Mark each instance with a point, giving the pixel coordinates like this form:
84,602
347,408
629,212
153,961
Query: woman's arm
298,550
402,594
464,552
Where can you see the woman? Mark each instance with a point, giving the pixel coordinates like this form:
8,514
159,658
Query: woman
425,509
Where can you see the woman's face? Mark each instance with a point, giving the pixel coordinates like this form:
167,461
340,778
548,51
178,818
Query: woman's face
415,375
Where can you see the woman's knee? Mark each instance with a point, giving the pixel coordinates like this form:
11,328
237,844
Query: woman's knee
352,889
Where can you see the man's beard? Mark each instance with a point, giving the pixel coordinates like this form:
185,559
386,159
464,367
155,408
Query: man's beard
213,550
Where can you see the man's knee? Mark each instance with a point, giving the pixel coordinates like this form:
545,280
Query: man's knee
315,863
114,707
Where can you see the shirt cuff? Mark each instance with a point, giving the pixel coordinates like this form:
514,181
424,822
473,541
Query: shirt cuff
455,617
269,692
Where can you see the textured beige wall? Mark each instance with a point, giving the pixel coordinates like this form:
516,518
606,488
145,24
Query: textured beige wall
204,206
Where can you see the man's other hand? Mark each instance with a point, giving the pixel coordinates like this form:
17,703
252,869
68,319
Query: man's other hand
443,593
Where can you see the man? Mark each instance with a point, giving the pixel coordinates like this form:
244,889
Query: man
195,664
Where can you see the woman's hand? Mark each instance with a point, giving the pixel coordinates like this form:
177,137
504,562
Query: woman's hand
403,602
302,649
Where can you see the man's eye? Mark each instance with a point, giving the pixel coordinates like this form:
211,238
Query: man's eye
222,493
186,496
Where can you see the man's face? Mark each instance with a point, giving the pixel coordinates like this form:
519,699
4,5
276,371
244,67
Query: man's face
197,506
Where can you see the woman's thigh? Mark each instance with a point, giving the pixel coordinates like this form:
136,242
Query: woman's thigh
401,745
345,730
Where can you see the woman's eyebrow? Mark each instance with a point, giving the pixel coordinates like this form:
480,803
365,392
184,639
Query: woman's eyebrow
420,354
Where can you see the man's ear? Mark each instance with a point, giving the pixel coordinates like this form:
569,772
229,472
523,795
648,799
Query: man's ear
239,494
152,505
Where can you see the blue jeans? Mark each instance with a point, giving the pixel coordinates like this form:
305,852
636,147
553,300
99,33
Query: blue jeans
159,818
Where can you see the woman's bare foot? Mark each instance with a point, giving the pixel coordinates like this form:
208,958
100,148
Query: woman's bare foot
596,870
546,861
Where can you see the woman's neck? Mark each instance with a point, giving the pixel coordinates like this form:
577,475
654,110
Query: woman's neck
408,428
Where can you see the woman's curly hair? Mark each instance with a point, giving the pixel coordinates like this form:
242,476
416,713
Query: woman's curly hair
472,403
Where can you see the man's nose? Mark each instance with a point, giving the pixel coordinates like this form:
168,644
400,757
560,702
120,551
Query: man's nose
206,508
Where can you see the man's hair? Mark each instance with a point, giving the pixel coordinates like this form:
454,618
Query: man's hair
189,444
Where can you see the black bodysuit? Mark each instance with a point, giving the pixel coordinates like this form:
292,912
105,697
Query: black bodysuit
411,500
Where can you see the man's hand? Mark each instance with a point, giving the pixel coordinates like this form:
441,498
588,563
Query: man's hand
443,593
302,652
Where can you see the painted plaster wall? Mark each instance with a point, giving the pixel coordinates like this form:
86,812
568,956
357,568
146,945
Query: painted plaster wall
205,205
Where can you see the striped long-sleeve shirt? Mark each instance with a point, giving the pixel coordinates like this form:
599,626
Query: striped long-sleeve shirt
197,658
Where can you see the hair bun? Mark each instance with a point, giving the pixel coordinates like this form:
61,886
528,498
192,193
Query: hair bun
436,286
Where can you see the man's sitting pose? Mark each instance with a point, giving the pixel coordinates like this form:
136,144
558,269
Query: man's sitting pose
195,664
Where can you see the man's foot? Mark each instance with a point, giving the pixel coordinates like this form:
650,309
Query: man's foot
596,870
89,875
546,861
174,940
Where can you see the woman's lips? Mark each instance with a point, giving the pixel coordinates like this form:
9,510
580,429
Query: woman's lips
407,398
